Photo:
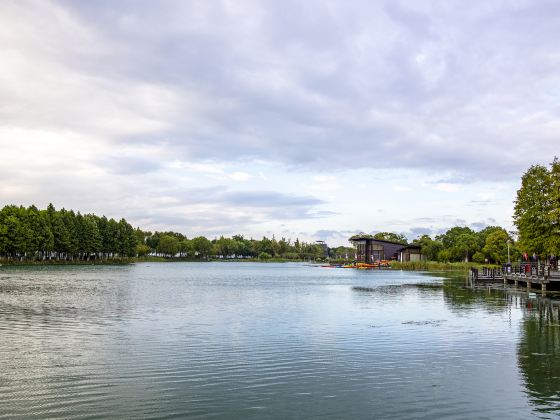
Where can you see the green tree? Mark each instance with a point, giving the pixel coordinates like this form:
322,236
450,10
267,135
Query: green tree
430,248
202,246
532,210
61,238
553,217
467,244
142,250
392,237
496,246
168,245
92,240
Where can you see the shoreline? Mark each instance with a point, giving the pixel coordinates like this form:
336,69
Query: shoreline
425,266
12,263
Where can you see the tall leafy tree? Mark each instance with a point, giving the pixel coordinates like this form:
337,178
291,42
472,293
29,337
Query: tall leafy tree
553,241
533,209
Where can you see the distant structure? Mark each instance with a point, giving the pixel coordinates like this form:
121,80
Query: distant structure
323,245
369,250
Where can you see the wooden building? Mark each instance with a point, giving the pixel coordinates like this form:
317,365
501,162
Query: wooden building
369,250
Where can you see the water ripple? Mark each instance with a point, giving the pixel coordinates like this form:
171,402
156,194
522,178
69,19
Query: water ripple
275,341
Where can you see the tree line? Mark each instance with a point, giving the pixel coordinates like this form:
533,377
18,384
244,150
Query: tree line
536,217
30,234
33,234
173,244
464,244
50,234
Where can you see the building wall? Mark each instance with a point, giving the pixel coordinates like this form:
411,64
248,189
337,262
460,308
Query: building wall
410,255
372,250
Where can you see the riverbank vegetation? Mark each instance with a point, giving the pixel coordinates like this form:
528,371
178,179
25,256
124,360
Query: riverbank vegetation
463,244
28,234
425,265
536,217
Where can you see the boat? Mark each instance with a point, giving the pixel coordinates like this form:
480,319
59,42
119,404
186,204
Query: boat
366,265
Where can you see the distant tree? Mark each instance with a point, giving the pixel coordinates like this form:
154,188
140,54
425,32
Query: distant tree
202,246
496,246
459,242
392,237
483,234
478,257
168,245
444,255
266,246
185,247
430,248
467,244
142,250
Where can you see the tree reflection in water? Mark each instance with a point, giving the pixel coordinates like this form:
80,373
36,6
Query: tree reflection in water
539,341
539,353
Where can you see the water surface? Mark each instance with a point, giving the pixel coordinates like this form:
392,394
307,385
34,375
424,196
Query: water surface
236,340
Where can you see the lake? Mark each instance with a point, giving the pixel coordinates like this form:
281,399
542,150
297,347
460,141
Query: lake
249,340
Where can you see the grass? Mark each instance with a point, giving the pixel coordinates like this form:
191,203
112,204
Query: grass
435,265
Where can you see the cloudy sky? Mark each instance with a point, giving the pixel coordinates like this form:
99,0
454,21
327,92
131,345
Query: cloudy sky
310,119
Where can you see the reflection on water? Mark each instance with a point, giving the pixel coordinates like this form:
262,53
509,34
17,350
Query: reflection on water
269,340
539,353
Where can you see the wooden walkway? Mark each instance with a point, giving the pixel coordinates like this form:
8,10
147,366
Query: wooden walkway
527,275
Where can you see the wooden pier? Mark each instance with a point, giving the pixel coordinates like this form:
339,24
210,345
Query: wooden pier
528,275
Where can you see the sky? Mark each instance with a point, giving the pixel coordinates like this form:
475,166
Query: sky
314,119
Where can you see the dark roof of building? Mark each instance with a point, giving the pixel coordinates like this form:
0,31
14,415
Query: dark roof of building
412,247
371,238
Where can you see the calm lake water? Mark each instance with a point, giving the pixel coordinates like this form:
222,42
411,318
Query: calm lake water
236,340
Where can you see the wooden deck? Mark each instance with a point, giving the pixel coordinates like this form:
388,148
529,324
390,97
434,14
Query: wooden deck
531,277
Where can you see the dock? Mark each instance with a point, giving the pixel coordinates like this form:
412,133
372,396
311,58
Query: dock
539,276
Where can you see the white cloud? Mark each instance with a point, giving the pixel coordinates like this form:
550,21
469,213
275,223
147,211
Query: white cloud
447,187
240,176
135,100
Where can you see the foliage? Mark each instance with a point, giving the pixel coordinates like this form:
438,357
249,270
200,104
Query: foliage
537,210
28,234
496,246
462,244
430,248
536,216
553,218
532,209
391,237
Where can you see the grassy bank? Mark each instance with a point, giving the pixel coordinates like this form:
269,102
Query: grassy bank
115,261
435,266
150,259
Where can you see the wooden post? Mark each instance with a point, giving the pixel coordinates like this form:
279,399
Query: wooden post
515,282
528,285
543,287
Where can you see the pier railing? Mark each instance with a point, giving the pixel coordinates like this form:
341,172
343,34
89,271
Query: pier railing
522,270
